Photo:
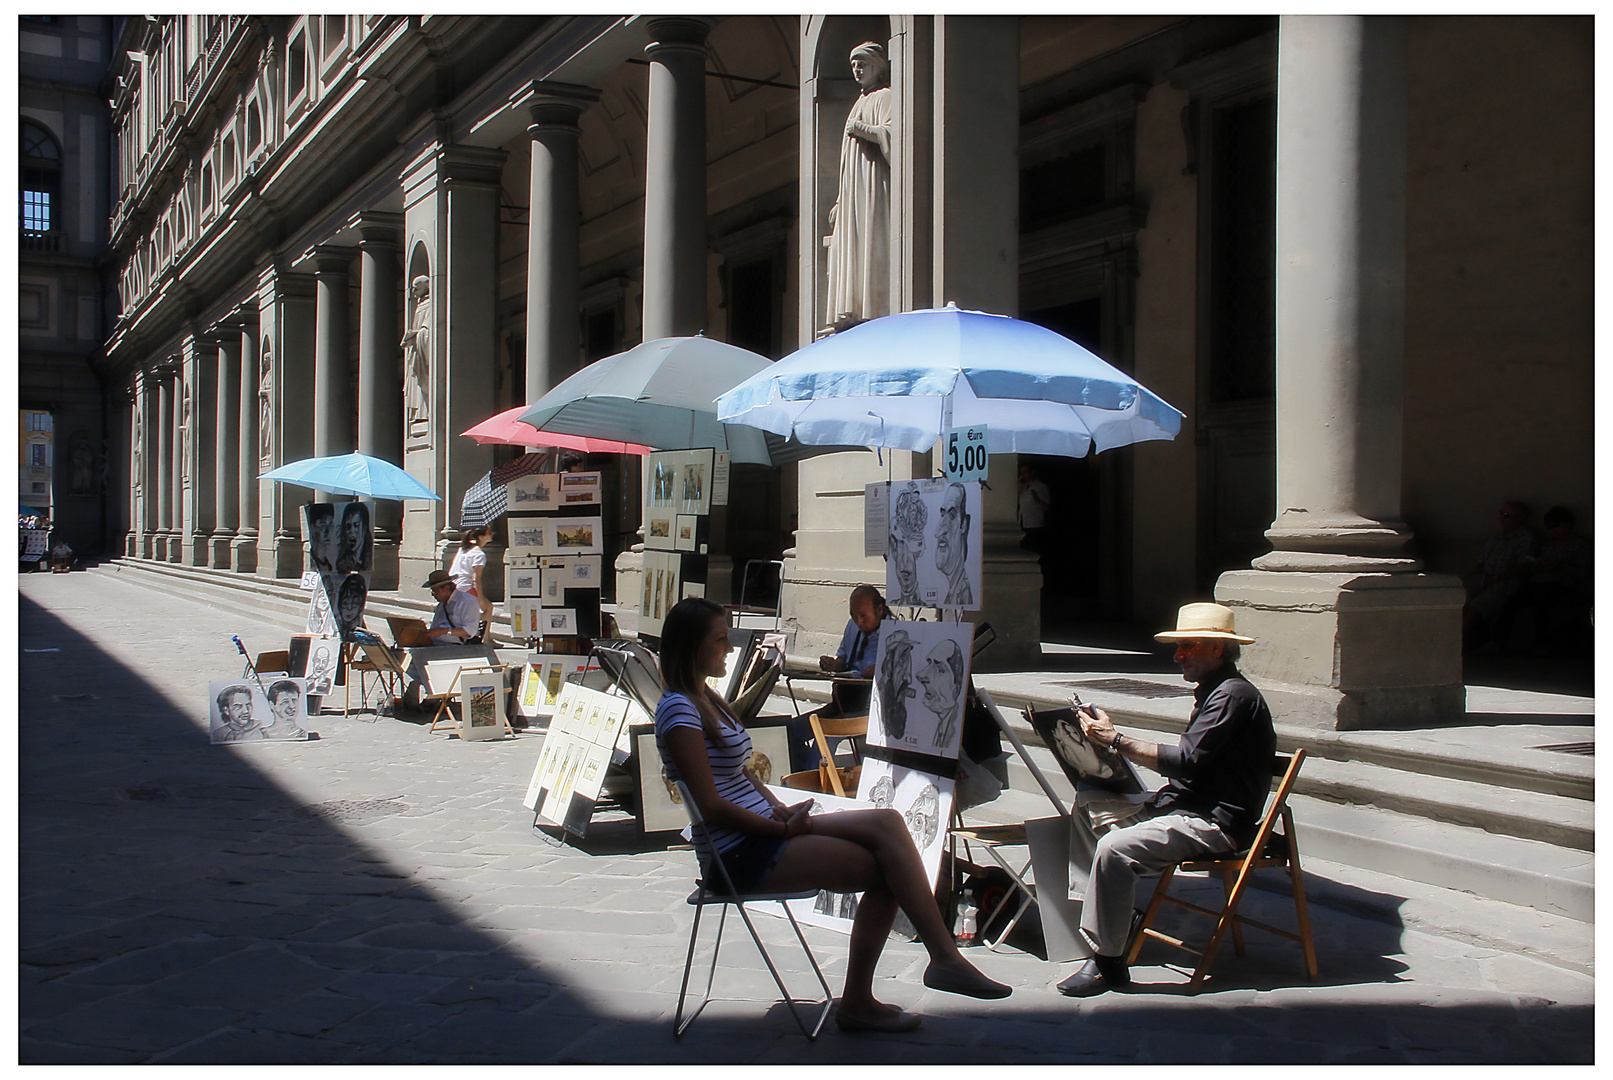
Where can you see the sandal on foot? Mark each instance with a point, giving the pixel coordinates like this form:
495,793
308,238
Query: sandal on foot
975,985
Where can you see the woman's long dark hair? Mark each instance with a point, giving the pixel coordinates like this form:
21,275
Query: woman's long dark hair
469,538
685,627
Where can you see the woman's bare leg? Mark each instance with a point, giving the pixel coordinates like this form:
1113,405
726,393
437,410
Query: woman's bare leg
898,879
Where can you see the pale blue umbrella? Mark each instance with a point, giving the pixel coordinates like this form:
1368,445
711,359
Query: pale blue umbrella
903,380
662,394
352,474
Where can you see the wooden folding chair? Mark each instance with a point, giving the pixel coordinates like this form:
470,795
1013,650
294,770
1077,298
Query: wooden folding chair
836,727
1271,849
278,660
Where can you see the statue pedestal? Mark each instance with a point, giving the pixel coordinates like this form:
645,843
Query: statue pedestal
1350,651
629,590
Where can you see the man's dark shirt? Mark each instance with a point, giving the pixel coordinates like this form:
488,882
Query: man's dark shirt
1221,768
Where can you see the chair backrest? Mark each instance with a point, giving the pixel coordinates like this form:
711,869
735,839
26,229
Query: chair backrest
277,660
697,827
838,727
1290,765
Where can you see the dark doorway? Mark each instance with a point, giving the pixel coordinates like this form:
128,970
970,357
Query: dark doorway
1076,558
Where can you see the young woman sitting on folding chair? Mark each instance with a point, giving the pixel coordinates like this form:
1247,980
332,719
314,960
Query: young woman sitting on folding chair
768,846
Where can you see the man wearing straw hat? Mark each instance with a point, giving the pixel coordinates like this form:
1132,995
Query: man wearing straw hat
1219,774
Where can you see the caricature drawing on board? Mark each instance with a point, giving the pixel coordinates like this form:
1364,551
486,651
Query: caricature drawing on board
909,517
952,546
894,684
941,675
923,817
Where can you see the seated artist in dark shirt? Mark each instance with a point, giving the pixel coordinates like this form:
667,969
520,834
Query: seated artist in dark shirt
1219,775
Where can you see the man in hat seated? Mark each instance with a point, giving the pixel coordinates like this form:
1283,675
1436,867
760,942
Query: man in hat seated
455,622
1219,775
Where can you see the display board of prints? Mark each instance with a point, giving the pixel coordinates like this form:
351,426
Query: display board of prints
239,710
661,584
571,572
921,681
577,489
481,706
583,736
528,535
534,491
679,481
526,616
541,681
934,539
522,581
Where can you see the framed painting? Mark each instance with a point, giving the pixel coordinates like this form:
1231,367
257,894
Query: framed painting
535,491
481,706
578,489
576,536
683,532
529,536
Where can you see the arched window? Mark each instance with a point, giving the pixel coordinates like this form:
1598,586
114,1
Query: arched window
41,192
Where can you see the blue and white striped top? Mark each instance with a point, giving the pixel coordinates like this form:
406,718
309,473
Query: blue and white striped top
727,760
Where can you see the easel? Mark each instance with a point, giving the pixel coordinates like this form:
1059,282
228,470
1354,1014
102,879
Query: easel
446,697
250,668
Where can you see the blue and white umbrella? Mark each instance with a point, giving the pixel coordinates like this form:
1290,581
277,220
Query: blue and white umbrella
903,380
352,474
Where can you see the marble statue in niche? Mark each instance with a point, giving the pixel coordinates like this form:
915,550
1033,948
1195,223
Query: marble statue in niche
859,221
416,345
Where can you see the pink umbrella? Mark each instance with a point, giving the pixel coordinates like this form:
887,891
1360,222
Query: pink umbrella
505,430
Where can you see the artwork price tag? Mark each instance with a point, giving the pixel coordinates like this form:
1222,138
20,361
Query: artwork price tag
966,453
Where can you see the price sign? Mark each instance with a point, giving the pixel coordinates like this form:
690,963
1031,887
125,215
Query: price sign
966,453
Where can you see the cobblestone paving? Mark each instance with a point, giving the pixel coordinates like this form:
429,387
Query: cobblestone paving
379,896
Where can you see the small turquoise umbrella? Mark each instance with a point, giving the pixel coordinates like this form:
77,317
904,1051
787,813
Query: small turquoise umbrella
352,474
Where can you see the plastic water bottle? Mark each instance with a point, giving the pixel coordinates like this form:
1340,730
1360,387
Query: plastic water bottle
967,913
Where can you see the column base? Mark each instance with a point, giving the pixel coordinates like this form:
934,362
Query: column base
199,550
219,550
1351,651
131,546
280,557
244,554
384,576
1011,601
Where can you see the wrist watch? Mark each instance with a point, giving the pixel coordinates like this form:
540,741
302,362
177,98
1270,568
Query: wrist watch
1115,743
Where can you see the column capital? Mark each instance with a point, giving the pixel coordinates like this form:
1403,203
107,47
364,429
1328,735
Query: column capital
554,106
327,259
377,228
681,32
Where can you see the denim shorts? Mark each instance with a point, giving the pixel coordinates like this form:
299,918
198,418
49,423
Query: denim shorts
749,863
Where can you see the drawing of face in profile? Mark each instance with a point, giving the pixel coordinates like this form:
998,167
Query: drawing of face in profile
952,544
883,793
941,676
1075,752
924,816
907,543
895,684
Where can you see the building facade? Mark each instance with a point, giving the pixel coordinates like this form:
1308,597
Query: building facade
62,315
1351,250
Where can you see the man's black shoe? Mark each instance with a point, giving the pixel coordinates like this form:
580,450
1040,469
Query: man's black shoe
1095,976
1086,982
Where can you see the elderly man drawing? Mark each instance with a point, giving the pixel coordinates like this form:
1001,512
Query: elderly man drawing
1219,774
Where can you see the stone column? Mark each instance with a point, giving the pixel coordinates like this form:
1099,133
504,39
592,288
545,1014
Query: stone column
675,179
244,548
165,463
226,449
553,251
1350,633
145,468
451,197
974,243
380,379
197,444
286,344
335,411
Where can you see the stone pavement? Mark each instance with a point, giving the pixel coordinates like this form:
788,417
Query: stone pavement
379,896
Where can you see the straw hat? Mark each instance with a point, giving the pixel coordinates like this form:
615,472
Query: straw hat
1205,621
